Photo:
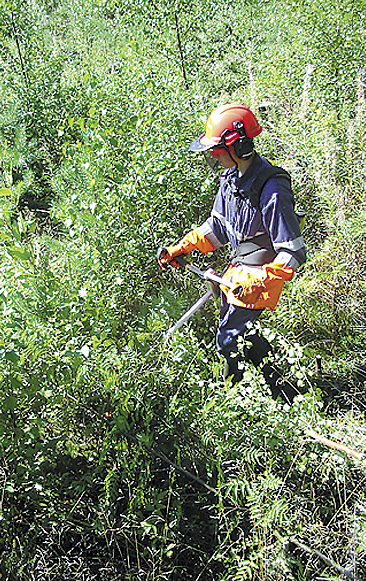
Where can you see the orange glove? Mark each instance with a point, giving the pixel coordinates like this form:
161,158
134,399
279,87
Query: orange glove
256,290
166,255
250,292
191,241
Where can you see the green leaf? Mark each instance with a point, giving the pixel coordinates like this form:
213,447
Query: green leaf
19,253
16,231
5,192
11,356
10,403
15,383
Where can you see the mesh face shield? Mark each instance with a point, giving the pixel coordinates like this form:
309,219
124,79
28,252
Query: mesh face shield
212,162
212,159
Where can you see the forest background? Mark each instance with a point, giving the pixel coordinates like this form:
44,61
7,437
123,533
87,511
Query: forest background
123,457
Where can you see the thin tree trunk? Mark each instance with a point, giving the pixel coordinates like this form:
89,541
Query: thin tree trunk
329,562
334,445
24,72
177,30
361,85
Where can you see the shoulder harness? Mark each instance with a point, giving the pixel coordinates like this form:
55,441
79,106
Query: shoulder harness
259,250
257,185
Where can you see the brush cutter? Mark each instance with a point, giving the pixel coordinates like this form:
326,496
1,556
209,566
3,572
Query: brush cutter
194,308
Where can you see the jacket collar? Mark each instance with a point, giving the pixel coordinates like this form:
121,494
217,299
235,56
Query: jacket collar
236,182
252,170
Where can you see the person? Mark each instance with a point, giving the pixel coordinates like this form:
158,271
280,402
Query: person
264,233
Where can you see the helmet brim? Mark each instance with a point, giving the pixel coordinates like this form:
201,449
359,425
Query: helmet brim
202,143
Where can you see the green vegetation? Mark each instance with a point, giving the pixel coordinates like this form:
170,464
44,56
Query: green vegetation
121,457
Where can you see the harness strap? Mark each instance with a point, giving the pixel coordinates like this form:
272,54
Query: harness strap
254,252
259,250
255,190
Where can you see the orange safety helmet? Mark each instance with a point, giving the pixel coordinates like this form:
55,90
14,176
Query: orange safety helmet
225,126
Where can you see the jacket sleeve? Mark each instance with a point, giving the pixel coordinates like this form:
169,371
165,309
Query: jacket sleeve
281,223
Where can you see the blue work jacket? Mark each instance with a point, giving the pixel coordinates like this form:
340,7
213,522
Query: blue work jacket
234,220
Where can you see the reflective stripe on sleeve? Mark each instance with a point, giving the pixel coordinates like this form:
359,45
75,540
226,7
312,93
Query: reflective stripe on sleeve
293,245
287,259
208,233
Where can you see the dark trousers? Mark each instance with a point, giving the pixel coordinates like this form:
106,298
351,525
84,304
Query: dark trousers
233,322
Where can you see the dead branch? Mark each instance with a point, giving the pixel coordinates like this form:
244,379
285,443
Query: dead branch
335,445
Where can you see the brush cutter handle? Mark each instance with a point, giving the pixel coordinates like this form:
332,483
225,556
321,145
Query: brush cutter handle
209,274
162,254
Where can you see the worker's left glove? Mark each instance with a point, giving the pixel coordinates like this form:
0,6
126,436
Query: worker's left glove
256,290
194,240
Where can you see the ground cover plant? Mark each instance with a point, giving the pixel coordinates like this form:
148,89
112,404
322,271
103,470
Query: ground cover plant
121,456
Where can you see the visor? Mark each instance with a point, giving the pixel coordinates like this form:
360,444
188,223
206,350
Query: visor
202,143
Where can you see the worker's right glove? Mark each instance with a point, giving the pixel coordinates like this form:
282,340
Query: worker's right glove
191,241
166,255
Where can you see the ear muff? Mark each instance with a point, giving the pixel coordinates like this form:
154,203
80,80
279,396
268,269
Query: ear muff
243,147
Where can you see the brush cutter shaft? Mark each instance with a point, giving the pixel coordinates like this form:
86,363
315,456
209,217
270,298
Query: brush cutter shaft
188,315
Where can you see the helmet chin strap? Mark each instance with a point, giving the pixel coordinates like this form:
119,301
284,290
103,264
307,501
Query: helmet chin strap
227,149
